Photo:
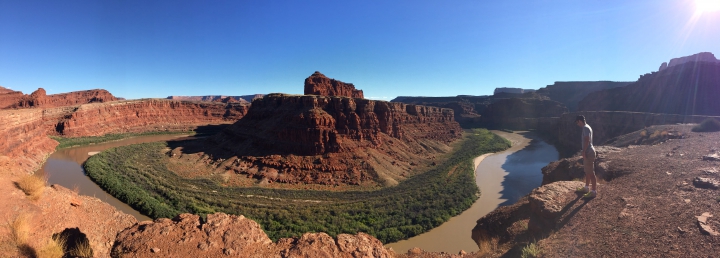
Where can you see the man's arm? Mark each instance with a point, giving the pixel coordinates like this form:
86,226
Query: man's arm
586,144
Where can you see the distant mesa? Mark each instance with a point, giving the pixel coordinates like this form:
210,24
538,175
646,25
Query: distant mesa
39,98
512,90
319,84
699,57
219,98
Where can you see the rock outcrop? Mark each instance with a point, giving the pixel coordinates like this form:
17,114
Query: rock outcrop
39,98
9,98
319,84
689,88
230,235
330,140
147,115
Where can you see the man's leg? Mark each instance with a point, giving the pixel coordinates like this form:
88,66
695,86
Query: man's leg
590,177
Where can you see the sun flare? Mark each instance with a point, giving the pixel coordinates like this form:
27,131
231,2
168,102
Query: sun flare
706,6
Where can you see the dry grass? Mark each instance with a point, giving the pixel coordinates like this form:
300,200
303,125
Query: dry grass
82,249
54,248
20,228
33,186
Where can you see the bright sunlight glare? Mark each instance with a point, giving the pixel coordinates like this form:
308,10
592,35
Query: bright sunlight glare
706,6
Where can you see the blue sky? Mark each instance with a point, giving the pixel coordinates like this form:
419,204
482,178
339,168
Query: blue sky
138,49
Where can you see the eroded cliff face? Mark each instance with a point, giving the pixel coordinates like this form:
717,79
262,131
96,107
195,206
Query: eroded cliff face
689,88
231,235
505,113
9,98
147,115
319,84
25,139
331,140
39,98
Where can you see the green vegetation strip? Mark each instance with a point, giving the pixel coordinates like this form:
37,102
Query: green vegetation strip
80,141
137,175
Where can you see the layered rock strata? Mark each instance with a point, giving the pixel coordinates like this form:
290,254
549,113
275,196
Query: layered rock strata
9,98
319,84
230,235
25,139
147,115
39,98
332,140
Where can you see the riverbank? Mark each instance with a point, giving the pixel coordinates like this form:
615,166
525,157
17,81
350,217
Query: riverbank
64,167
491,178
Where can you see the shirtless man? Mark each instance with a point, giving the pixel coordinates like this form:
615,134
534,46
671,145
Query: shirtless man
588,154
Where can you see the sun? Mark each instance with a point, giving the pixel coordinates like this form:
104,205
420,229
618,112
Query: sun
706,6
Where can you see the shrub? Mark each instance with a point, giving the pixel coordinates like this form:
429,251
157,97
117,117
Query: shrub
32,185
709,125
531,251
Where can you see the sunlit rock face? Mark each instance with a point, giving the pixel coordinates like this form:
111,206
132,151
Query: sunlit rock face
319,84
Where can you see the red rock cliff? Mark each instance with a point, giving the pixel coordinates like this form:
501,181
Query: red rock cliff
147,115
333,140
9,98
319,84
24,139
40,99
314,125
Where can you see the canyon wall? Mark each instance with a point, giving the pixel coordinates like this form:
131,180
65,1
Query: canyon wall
25,141
9,98
687,89
147,115
570,93
509,113
40,99
319,84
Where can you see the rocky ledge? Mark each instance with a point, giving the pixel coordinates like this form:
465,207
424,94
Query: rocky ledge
236,236
655,199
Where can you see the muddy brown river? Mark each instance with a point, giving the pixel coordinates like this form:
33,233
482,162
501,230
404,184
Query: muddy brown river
503,178
64,167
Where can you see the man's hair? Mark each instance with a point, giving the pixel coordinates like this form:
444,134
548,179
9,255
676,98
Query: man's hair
580,118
